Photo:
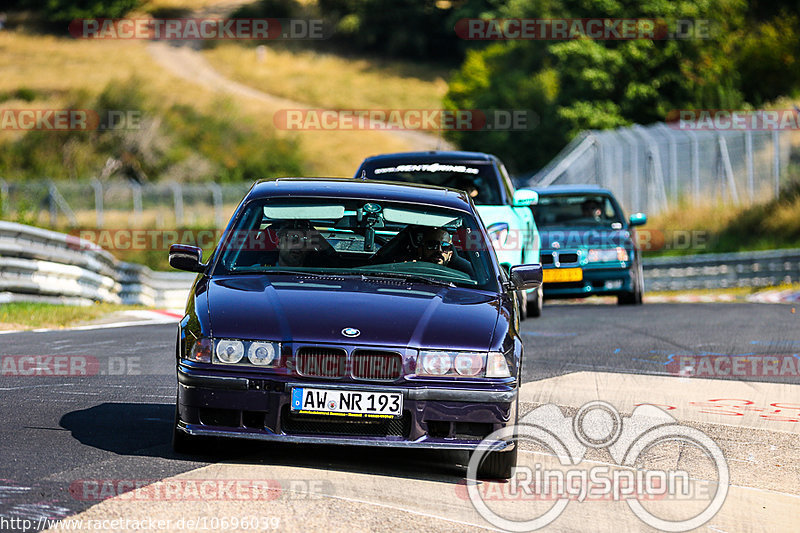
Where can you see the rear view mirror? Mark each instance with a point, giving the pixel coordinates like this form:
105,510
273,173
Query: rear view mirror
185,257
525,197
638,219
524,277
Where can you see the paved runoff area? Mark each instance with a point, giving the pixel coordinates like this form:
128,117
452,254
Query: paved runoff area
635,419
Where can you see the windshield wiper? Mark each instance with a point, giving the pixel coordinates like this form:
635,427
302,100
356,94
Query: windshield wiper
408,277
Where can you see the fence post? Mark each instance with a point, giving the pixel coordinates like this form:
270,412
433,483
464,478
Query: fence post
776,161
695,164
57,201
216,195
658,168
3,198
98,201
136,193
177,194
673,161
727,168
748,154
635,202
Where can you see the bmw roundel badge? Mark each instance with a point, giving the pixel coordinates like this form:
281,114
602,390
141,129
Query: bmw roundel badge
351,332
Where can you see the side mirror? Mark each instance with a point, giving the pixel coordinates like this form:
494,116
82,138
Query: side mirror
525,197
638,219
525,277
185,257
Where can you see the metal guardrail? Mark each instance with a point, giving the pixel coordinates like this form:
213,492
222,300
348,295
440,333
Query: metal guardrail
42,265
720,271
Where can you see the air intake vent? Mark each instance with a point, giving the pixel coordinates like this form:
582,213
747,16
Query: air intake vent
321,362
377,365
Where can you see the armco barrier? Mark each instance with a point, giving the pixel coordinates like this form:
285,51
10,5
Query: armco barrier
719,271
47,266
43,265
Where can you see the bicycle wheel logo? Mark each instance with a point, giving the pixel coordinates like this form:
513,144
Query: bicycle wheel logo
598,425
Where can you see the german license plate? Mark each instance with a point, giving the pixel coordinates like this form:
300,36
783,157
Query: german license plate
561,275
358,404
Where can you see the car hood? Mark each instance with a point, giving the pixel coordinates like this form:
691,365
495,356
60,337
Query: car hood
582,237
491,214
386,313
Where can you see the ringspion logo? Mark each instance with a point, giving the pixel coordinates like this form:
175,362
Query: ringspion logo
567,479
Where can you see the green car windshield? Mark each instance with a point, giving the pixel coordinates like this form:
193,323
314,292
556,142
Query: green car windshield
583,210
358,237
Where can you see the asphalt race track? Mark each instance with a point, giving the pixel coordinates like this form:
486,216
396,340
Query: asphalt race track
66,439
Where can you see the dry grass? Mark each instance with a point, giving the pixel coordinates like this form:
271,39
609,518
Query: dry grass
21,315
331,81
56,67
724,227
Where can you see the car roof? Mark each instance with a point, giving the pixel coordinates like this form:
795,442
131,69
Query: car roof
585,188
361,189
432,155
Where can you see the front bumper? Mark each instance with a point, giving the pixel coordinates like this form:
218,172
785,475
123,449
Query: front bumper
258,409
597,281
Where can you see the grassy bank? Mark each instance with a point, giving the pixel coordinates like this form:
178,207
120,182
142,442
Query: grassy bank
695,228
331,81
49,72
23,315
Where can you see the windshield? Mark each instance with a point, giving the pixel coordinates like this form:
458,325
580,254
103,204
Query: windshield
594,210
358,237
478,179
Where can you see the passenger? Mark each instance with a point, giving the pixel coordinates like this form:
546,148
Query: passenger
294,244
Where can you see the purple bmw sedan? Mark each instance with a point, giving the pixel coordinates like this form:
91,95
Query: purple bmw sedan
339,311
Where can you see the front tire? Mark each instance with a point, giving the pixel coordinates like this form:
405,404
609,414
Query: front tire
522,305
498,465
635,297
182,442
535,303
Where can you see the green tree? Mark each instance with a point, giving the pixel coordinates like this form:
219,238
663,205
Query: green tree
578,84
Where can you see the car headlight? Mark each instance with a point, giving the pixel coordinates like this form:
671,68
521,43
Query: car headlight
498,233
435,363
261,353
229,351
233,352
607,255
458,364
469,364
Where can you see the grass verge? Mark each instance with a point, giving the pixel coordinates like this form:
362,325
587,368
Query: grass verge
46,72
331,81
25,315
698,228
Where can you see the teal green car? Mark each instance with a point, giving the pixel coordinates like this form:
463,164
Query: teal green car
589,248
504,210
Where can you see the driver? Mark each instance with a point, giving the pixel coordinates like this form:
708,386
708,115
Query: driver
591,208
434,245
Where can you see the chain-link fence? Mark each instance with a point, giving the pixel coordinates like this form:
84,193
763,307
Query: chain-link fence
651,168
119,204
